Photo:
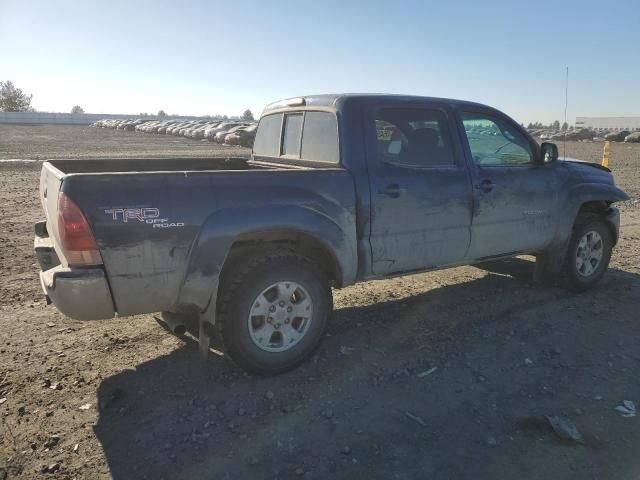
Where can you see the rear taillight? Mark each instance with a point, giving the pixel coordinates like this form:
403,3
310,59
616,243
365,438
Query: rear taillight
77,242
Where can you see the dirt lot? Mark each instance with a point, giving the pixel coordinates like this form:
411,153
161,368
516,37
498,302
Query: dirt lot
124,399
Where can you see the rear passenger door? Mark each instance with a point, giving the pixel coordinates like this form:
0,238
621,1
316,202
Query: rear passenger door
421,196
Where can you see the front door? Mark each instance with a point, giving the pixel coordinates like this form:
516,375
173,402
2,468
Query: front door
421,196
514,193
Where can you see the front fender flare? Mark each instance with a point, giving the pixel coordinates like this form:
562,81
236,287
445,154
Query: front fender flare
575,198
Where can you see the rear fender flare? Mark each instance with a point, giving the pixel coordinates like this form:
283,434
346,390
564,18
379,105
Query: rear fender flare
221,229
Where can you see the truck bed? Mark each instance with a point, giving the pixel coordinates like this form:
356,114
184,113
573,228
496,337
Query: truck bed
163,226
153,165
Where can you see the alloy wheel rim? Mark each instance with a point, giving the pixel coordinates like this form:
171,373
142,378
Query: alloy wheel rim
280,316
589,253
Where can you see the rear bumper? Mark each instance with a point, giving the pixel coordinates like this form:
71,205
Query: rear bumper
79,293
82,294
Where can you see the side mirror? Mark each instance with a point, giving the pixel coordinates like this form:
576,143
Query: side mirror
549,152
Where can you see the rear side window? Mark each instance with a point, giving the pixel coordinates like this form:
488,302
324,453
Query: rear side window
267,141
414,137
308,135
320,137
291,137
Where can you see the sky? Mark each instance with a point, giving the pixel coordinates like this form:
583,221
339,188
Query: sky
222,57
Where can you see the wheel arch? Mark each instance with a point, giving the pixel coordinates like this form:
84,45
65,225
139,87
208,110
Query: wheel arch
231,233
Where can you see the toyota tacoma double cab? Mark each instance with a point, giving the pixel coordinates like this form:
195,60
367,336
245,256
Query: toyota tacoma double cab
338,189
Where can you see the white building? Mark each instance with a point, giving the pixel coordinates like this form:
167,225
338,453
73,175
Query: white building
613,124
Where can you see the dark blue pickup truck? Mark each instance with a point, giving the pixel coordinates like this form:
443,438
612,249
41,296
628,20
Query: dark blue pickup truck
338,189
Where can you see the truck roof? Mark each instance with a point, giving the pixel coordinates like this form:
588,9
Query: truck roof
335,100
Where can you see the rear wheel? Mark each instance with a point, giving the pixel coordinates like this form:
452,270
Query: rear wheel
589,252
274,311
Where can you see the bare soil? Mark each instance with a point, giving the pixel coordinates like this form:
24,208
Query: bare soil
442,375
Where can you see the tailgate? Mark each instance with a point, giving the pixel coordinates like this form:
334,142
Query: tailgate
50,183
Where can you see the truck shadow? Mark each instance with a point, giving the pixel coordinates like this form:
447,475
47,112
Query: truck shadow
177,416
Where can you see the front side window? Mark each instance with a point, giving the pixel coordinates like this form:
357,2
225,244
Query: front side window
494,142
413,137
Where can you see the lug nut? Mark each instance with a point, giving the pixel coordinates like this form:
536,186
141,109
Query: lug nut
272,308
281,303
289,309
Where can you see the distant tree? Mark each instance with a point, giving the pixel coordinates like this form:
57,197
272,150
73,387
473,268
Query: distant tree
13,99
143,114
224,117
161,114
556,125
530,125
248,115
77,109
565,126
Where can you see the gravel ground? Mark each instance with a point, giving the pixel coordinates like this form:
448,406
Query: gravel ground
442,375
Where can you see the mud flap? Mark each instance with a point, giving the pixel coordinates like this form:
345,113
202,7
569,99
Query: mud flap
206,323
549,265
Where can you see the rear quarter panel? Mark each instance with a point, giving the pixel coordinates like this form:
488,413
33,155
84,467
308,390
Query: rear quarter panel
164,236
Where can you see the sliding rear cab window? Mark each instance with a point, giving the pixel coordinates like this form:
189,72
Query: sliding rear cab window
306,135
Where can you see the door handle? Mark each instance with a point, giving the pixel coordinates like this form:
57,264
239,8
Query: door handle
486,186
392,190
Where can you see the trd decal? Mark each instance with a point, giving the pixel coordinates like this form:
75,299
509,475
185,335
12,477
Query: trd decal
148,215
126,214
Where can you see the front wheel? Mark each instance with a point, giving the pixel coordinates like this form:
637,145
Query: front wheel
589,252
274,311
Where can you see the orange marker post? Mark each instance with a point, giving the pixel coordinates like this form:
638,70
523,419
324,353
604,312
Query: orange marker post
605,155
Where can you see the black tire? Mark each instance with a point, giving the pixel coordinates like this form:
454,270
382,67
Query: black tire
241,289
584,224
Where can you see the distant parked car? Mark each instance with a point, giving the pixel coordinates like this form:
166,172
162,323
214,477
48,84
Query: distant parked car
617,136
198,132
175,127
219,138
210,133
580,134
547,135
633,138
162,129
243,136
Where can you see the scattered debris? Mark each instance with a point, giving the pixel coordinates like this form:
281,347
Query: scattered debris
528,362
627,409
2,400
86,406
565,428
427,372
53,468
491,442
346,450
51,324
269,395
76,447
52,441
415,418
346,350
